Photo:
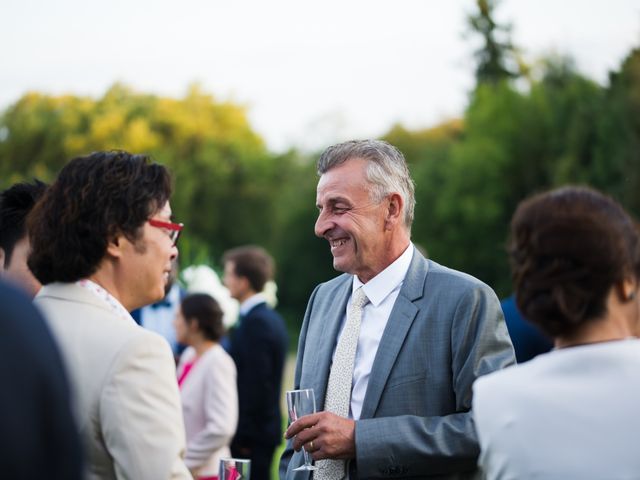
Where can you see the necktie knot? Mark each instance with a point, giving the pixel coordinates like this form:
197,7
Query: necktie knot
359,299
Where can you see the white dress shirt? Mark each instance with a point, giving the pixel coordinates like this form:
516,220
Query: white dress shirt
251,302
382,292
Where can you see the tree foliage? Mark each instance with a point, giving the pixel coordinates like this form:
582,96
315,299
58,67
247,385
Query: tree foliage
470,173
496,59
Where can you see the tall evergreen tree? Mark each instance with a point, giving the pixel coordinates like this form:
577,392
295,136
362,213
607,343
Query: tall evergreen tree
496,58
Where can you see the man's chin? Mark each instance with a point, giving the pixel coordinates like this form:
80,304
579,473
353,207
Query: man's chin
340,266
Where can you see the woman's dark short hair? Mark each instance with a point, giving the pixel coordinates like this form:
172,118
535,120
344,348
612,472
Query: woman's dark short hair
206,312
94,198
568,248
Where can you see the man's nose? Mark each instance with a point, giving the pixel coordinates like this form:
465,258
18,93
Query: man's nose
322,225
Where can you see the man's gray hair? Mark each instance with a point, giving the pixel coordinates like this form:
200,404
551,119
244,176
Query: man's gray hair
386,170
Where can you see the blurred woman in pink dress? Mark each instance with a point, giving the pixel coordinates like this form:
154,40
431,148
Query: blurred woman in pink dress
207,380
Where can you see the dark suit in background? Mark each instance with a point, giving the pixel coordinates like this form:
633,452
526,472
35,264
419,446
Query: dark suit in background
527,340
259,348
38,437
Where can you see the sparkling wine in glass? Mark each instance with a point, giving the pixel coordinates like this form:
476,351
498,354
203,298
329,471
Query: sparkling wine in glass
299,404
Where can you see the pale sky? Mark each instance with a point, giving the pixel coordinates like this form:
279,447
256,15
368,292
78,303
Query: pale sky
309,73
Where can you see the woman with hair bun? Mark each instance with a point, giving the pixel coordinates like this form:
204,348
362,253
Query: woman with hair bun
572,412
207,380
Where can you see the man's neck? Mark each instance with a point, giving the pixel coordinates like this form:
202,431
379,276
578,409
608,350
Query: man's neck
243,297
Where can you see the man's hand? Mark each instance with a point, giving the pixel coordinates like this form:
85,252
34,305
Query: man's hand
324,435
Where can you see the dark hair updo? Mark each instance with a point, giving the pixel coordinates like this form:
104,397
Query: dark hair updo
203,309
568,248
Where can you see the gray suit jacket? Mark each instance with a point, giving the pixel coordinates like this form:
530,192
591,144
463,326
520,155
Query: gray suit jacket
445,330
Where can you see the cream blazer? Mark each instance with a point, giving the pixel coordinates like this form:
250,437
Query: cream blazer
571,413
210,407
127,403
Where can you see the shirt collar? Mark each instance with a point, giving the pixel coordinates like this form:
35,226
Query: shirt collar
251,302
380,286
114,305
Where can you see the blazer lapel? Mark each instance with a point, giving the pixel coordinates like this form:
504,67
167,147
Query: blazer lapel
402,316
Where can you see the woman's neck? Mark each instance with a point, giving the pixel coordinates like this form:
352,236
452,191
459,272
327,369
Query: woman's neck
201,345
595,332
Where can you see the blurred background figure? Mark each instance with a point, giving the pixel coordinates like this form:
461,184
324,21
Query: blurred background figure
258,345
527,340
207,379
158,317
204,279
572,412
15,204
39,437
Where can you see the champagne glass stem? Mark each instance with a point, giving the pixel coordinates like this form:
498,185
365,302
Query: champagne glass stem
307,457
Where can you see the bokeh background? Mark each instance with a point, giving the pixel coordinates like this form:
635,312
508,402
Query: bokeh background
489,101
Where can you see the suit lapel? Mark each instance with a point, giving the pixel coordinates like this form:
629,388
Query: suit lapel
400,320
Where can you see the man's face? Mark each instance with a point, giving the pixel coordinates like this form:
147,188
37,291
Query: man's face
148,262
237,285
17,271
353,224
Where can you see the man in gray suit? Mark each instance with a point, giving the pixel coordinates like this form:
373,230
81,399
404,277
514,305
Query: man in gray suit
424,334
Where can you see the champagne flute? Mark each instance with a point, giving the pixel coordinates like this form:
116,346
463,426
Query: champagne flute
299,404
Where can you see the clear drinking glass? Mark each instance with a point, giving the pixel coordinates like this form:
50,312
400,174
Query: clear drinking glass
299,404
234,469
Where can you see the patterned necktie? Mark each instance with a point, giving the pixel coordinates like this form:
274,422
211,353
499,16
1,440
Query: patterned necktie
338,396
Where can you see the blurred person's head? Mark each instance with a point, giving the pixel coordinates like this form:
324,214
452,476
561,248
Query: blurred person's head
365,198
107,218
246,271
575,258
198,318
15,204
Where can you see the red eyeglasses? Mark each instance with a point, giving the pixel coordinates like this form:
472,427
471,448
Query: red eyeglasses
173,229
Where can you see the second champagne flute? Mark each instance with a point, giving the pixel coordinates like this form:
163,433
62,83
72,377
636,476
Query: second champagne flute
299,404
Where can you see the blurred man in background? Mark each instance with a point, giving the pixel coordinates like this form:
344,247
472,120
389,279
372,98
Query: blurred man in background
258,346
15,204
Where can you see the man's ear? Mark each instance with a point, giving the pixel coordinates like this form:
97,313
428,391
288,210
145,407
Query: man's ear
627,289
394,211
246,284
115,246
2,256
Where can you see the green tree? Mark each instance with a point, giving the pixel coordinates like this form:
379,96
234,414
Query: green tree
617,155
496,59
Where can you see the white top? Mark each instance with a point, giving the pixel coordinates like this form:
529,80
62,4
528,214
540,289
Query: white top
210,407
382,292
572,413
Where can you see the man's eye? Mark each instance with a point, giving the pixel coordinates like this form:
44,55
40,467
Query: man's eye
340,209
